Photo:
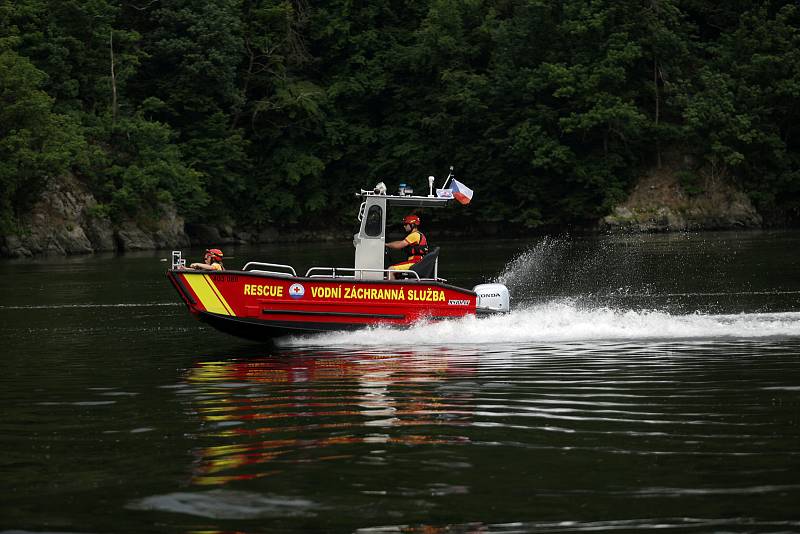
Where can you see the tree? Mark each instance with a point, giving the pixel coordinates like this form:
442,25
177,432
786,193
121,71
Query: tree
741,111
35,142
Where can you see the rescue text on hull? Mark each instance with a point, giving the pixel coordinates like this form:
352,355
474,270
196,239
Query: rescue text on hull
266,300
260,306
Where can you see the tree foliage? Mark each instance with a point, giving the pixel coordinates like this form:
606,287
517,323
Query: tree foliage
271,112
35,142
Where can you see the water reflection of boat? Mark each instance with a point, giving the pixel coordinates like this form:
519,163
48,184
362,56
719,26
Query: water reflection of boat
266,415
265,300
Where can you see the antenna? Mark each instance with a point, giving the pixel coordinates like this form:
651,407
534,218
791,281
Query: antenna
431,179
444,185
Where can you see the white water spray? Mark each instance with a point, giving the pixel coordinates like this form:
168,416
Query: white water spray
565,321
524,273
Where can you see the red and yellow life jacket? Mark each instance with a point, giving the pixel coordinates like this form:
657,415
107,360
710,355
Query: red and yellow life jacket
416,250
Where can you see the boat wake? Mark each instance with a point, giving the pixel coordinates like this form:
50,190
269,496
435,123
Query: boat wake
566,321
608,313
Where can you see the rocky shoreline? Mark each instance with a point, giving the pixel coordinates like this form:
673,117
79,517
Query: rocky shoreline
66,221
660,203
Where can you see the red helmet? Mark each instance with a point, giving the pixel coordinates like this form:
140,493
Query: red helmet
215,253
411,219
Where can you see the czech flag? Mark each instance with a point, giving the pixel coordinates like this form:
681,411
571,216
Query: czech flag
461,192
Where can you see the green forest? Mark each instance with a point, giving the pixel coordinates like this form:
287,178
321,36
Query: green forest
272,113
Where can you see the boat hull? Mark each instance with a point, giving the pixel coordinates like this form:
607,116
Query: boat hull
262,306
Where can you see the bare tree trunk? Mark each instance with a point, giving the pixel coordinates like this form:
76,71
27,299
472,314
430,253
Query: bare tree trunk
658,110
248,75
113,81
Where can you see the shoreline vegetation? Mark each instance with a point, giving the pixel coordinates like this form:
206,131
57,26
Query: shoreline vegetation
62,222
130,127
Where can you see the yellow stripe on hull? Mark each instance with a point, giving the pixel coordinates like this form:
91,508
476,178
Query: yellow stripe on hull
217,292
210,297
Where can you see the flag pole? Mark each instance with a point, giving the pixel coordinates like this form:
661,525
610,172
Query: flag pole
449,177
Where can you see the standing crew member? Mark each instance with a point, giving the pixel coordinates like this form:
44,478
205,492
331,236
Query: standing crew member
212,261
415,243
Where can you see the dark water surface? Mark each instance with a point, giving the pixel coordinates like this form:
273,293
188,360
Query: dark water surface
641,382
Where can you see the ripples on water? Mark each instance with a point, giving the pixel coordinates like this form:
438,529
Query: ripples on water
614,435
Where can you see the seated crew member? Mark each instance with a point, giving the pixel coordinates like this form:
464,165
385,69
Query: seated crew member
415,243
212,261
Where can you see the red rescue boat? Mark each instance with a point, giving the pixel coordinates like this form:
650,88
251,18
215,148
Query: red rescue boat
266,300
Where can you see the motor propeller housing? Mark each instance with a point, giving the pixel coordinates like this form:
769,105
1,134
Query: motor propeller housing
493,297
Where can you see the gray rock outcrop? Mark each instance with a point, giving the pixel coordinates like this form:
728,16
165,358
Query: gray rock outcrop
65,221
659,203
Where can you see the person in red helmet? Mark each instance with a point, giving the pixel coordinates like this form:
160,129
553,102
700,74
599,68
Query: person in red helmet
212,261
415,244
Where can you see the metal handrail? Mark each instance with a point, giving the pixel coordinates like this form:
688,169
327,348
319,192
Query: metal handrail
249,267
355,271
178,262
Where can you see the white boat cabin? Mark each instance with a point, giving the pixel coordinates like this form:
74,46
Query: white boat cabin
371,237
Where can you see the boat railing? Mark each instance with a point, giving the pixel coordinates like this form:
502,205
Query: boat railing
268,268
357,274
178,261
